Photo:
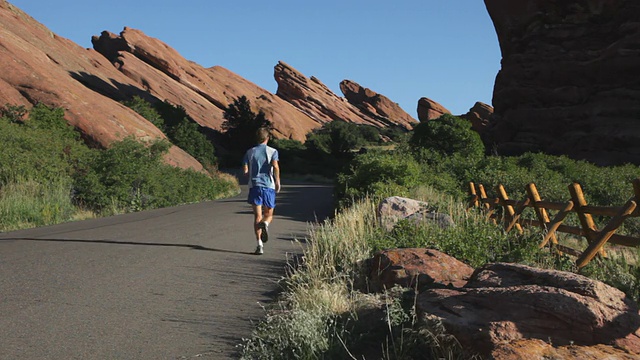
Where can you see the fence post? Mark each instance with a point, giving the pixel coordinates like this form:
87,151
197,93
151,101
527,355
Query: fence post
488,208
509,211
473,202
586,221
555,224
606,233
540,211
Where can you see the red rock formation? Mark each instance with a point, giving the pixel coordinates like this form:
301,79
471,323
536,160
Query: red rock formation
41,67
417,269
315,99
429,109
568,81
376,105
203,92
505,302
480,116
531,349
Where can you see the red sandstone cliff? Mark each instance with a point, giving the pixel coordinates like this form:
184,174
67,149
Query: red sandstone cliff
568,82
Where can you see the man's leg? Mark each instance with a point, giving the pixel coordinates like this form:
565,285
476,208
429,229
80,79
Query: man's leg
264,224
268,215
257,218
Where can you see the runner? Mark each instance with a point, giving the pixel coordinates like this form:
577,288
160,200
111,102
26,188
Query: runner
260,164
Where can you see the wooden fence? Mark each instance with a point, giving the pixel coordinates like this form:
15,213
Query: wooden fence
511,216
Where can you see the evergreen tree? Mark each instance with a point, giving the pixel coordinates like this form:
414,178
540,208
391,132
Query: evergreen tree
241,124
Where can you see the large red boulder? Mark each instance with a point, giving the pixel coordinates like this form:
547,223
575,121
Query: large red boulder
480,116
429,109
535,349
506,302
416,268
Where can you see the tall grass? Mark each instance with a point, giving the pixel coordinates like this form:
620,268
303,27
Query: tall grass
303,325
29,203
320,312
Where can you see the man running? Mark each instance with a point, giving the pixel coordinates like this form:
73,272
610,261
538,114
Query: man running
260,164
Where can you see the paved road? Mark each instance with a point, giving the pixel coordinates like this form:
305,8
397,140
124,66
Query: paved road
173,283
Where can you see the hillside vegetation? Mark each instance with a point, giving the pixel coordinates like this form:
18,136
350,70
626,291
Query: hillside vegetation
49,175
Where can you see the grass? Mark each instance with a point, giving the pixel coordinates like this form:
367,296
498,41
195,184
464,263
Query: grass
27,203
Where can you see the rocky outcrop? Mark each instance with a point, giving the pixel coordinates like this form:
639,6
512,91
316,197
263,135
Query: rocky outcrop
506,302
376,105
567,83
535,349
429,109
90,84
417,269
315,99
480,116
41,67
203,92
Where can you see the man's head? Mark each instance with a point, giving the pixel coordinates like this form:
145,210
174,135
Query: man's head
262,135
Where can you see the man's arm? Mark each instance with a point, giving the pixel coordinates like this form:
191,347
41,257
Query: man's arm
276,174
245,169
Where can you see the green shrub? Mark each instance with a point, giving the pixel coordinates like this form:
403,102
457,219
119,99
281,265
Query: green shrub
338,138
179,128
448,135
43,147
13,113
187,136
377,174
132,176
147,111
47,172
118,174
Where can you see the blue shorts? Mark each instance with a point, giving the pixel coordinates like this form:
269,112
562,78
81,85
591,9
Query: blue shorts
262,196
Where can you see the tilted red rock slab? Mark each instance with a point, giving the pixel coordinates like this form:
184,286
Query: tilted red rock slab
41,67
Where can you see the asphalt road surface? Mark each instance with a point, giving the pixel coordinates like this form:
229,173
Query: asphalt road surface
172,283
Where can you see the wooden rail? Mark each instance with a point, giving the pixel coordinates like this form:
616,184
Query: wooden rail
511,216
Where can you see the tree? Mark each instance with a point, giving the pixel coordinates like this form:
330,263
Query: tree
336,138
447,135
241,124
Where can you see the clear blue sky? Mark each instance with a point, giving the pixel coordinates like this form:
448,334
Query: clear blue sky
444,50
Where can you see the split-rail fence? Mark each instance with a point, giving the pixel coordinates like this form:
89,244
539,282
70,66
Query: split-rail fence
512,210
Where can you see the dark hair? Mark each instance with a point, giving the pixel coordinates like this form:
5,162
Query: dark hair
262,134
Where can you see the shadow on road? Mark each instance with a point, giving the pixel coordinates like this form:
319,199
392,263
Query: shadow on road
190,246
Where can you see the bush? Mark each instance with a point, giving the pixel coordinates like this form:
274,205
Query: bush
377,174
43,147
132,176
338,137
147,111
448,135
179,128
